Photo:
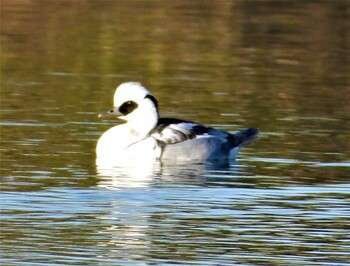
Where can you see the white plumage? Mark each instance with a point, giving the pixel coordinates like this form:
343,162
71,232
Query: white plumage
146,137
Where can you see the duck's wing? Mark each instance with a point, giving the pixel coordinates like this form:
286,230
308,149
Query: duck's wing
171,131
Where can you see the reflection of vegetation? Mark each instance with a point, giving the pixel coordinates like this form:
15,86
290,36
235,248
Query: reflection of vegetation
282,66
271,62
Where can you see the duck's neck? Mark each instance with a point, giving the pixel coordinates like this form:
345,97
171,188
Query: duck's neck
143,122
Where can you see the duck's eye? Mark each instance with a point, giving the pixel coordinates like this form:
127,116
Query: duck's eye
127,107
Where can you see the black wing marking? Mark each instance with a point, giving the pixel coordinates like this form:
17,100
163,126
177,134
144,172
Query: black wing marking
171,130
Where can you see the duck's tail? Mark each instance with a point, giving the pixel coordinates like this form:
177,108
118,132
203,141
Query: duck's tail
245,136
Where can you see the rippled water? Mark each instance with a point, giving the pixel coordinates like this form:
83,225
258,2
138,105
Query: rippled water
279,66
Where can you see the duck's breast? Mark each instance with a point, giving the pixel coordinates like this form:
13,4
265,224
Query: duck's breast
117,145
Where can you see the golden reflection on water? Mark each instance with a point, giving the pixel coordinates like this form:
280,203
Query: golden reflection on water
282,66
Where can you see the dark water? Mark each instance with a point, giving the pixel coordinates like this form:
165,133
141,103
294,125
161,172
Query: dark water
282,66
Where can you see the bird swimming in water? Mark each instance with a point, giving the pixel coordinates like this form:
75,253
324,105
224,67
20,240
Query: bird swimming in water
145,136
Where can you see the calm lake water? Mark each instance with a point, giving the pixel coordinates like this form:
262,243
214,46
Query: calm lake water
282,66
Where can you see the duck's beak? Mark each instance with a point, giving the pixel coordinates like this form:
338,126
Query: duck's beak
113,111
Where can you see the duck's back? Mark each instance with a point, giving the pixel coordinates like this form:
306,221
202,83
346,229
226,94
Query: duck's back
200,149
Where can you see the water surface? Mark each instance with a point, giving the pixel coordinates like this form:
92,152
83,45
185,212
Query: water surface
280,66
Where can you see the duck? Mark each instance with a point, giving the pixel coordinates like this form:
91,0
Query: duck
144,136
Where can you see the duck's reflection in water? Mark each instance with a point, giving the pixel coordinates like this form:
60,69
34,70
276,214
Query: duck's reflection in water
132,174
136,173
139,191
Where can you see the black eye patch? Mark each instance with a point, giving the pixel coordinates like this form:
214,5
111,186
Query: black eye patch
127,107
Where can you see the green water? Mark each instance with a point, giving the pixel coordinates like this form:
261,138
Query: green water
281,66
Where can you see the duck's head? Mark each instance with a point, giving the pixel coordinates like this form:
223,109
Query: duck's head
134,103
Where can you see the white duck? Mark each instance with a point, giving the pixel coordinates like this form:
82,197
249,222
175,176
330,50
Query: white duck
145,136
